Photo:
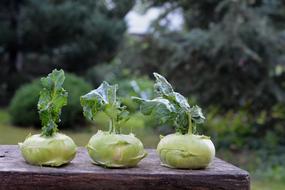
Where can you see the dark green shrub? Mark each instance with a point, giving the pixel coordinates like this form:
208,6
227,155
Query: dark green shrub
229,53
23,107
237,130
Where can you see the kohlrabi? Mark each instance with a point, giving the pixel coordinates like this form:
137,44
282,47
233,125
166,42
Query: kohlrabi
184,149
110,148
50,148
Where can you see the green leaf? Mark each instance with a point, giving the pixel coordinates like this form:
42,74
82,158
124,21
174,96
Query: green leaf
171,107
164,89
162,86
197,115
52,98
123,114
101,99
104,99
181,122
182,101
160,108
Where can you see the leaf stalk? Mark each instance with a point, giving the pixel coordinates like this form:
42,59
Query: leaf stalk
190,127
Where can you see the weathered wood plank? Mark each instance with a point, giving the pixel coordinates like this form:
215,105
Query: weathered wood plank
81,174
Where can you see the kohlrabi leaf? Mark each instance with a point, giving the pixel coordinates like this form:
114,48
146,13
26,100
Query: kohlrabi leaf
162,86
164,89
123,114
104,99
160,108
171,107
52,98
181,122
182,101
197,115
101,99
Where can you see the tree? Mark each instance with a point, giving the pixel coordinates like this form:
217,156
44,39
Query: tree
229,53
36,36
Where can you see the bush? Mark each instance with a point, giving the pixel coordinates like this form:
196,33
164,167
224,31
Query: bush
238,130
23,107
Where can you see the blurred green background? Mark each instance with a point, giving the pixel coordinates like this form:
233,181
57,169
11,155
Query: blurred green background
226,56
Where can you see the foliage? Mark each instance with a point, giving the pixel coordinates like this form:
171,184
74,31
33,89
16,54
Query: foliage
105,145
270,167
36,36
23,107
52,98
104,99
263,165
171,107
237,130
227,48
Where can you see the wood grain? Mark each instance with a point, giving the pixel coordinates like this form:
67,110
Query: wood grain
16,174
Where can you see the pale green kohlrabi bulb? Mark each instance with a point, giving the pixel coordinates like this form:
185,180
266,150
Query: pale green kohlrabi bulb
115,150
186,151
55,150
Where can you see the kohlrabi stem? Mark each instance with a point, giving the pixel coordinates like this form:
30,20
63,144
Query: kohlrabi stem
189,124
112,126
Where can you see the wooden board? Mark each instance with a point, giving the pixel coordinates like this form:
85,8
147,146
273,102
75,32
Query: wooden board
81,174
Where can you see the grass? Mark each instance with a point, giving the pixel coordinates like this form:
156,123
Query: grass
267,185
10,134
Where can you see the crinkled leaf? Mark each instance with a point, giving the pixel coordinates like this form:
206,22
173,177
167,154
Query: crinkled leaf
197,115
103,99
52,98
160,108
182,101
170,106
164,88
107,93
